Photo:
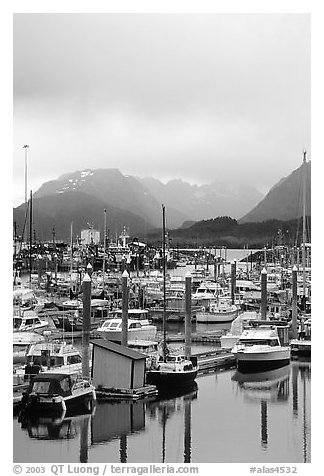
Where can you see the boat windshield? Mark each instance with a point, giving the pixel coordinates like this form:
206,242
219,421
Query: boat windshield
41,387
271,342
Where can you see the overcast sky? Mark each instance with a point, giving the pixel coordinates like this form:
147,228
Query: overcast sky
200,97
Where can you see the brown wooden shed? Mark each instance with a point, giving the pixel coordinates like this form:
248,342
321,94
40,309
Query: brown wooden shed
116,366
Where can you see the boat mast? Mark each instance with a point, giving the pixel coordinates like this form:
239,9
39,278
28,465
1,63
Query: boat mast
30,238
304,224
71,254
164,286
104,253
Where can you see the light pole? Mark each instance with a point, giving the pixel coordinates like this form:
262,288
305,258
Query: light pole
26,146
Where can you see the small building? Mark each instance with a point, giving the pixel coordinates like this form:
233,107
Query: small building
90,237
116,367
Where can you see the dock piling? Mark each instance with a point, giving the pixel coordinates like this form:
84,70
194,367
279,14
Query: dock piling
294,303
264,294
124,336
86,321
188,315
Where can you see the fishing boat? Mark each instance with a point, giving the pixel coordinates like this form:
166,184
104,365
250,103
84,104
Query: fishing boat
55,393
259,348
220,310
170,371
139,326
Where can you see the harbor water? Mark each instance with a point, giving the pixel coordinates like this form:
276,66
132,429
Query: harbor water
227,418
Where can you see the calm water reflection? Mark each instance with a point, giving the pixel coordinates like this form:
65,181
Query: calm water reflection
227,417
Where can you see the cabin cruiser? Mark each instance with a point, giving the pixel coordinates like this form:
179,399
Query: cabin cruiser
139,326
29,321
45,356
259,348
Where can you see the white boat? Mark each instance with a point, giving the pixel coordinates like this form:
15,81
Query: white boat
208,290
22,342
221,310
259,348
139,326
48,356
29,321
231,338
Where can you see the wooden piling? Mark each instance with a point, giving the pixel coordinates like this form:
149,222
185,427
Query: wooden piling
124,336
86,324
264,294
294,303
233,280
188,315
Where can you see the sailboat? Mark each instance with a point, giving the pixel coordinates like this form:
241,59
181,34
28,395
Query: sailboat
170,371
302,345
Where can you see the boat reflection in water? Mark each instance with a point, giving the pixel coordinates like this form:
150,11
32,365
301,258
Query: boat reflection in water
272,385
264,387
58,428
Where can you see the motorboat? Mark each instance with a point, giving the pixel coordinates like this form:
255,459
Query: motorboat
220,310
55,393
139,326
29,321
171,371
259,348
229,339
45,356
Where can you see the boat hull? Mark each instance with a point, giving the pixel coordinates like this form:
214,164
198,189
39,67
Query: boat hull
141,334
214,317
169,379
40,406
260,361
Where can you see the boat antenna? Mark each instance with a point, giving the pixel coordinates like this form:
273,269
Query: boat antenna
164,287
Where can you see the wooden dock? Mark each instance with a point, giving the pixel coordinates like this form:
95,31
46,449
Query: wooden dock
211,337
215,360
126,394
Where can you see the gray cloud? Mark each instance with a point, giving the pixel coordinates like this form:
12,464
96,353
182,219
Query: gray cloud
183,95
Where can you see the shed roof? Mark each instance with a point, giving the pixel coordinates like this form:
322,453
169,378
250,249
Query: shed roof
118,349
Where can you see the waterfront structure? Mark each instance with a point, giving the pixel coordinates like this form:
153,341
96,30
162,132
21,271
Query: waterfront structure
116,366
90,236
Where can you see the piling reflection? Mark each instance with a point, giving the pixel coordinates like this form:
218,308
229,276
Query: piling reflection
301,376
166,406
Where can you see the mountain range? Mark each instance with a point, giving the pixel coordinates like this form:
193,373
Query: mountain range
82,197
284,201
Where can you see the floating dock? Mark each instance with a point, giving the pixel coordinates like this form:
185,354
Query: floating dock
126,394
215,360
